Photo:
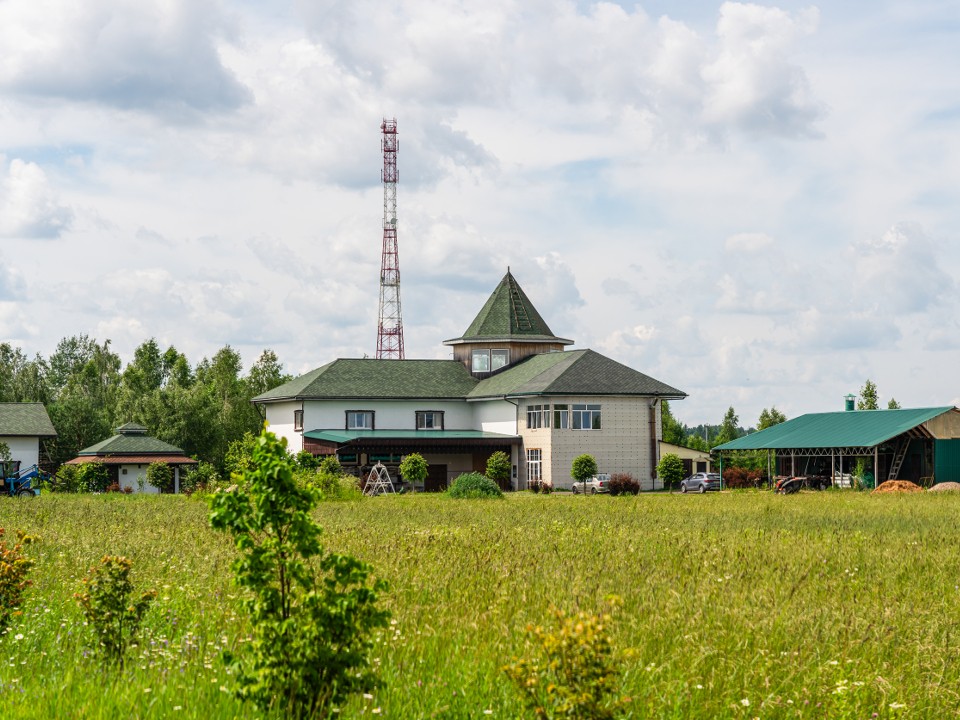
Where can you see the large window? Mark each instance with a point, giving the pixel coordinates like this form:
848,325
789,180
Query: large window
489,360
429,420
359,419
561,417
538,416
534,466
298,419
586,417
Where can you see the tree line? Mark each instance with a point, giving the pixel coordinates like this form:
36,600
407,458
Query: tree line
88,392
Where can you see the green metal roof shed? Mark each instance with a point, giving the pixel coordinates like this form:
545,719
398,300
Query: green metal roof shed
894,439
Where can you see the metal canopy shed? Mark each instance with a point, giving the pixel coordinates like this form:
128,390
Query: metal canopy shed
914,443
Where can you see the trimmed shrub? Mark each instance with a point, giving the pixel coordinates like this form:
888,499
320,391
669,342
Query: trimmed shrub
474,485
623,484
738,477
670,470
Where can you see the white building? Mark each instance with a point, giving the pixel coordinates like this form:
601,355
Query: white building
22,425
511,386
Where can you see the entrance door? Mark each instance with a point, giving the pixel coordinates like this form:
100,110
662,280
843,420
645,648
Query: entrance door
436,479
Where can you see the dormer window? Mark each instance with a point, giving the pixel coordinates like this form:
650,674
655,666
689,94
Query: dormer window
489,360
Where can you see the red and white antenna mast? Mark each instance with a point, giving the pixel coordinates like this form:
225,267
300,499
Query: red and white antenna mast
390,326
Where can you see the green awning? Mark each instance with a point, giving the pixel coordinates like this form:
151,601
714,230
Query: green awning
855,428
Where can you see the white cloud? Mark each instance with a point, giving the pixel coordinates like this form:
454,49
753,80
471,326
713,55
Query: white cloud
747,242
29,208
157,55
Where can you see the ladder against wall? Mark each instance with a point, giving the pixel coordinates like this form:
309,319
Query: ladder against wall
378,481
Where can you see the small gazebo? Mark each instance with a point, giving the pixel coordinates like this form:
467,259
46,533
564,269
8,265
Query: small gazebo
128,454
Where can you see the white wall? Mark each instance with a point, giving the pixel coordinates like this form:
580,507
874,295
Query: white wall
24,449
130,477
280,417
390,414
497,416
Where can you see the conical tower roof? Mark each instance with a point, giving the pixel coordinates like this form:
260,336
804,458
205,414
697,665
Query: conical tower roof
508,315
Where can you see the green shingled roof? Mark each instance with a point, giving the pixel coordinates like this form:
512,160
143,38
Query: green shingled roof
131,439
25,419
855,428
579,372
508,315
386,379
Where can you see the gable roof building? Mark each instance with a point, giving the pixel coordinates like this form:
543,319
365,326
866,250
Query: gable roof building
510,386
22,427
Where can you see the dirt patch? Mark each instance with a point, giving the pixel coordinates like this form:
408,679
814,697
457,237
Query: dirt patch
892,486
945,487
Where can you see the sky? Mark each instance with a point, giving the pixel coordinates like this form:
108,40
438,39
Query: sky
758,204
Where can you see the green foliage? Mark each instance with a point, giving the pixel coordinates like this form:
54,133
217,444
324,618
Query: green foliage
893,404
93,477
414,469
5,452
160,475
474,485
330,480
673,432
670,469
306,460
583,468
869,399
201,477
729,428
769,418
108,604
14,566
570,670
238,460
67,479
266,374
499,467
311,634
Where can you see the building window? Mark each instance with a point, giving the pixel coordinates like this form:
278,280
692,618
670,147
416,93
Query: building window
538,416
489,360
359,419
298,419
561,417
534,466
429,420
586,417
481,361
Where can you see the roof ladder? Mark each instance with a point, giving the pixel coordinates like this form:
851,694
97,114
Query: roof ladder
519,310
898,457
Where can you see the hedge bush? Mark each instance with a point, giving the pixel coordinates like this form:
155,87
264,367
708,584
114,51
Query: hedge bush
474,485
623,484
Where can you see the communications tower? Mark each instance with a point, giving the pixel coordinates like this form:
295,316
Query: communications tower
390,325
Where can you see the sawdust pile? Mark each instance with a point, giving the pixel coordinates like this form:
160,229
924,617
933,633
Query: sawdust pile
945,487
892,486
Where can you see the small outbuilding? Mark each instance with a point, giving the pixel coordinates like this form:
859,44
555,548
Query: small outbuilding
917,444
22,427
128,454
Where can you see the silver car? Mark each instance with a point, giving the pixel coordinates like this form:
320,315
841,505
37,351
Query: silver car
701,482
597,484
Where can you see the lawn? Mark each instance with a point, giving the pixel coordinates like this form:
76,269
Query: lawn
737,605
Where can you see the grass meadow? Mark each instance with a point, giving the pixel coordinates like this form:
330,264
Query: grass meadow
735,605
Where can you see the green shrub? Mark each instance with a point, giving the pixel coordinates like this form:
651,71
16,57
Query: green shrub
201,477
110,610
623,484
571,671
414,469
306,460
311,633
499,467
160,475
14,566
68,480
474,485
93,477
583,468
670,469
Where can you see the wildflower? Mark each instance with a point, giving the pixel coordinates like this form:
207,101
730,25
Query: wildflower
896,705
745,702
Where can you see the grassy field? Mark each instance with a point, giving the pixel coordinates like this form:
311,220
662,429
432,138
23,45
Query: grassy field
735,605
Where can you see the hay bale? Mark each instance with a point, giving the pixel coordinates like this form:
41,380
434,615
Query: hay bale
894,486
945,487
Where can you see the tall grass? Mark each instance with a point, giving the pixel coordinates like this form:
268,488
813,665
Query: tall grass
735,605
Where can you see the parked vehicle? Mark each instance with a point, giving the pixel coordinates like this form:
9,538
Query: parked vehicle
701,482
597,484
17,482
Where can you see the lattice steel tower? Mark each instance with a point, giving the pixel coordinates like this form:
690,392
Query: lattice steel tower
390,326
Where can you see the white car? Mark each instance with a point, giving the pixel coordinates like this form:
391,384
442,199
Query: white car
597,484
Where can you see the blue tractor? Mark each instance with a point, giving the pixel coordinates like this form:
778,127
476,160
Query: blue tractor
19,483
